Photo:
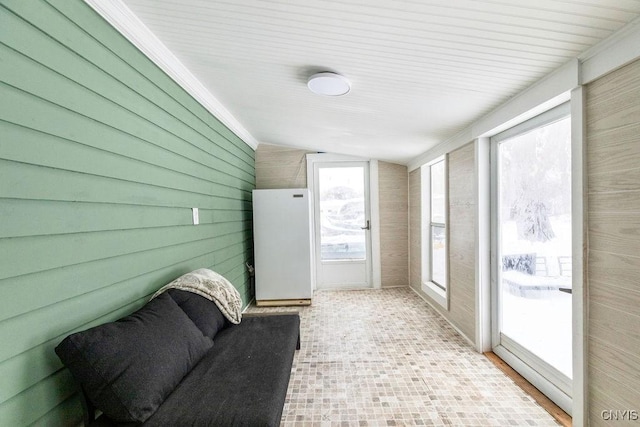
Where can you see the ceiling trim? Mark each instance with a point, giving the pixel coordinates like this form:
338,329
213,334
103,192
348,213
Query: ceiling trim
618,50
546,93
116,13
615,51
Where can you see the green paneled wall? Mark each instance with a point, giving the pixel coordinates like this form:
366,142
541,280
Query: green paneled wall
102,157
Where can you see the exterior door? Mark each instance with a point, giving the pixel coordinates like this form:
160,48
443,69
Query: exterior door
532,232
342,224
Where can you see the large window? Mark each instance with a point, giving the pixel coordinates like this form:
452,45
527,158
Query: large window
532,243
434,230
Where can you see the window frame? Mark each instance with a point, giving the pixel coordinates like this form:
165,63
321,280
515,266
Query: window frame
439,292
543,376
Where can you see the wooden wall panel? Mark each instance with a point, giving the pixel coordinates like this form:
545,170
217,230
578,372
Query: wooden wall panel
280,167
415,229
284,167
462,239
613,174
102,157
394,228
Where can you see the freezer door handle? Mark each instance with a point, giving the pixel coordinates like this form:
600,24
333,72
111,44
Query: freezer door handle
366,227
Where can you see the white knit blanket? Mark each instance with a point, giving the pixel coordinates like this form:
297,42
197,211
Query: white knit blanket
212,286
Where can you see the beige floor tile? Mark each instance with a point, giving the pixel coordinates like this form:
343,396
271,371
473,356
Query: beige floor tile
385,358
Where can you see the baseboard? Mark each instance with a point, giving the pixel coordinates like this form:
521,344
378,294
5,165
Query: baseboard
432,305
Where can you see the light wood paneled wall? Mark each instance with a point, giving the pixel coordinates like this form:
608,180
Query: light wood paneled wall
462,239
415,229
613,173
394,228
285,167
280,167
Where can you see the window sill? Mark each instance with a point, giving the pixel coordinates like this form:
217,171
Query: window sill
436,293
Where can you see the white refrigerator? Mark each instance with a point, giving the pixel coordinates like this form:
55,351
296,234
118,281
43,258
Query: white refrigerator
283,246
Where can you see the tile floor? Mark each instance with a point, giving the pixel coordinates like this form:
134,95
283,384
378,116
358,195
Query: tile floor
385,358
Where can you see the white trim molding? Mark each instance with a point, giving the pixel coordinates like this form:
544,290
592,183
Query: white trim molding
116,13
621,48
549,92
579,253
436,293
614,52
374,201
483,244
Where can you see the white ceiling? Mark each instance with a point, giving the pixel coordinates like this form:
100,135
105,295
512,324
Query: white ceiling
421,70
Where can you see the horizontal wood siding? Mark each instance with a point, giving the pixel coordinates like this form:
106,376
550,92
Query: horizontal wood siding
613,173
102,157
394,217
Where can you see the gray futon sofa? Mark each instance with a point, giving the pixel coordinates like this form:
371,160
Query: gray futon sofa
179,362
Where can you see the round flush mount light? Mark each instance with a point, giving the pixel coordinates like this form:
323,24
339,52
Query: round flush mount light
329,84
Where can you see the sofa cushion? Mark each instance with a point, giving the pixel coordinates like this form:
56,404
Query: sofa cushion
241,381
203,312
127,368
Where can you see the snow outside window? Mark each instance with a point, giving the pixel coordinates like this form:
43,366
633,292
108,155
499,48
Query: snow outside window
434,230
438,232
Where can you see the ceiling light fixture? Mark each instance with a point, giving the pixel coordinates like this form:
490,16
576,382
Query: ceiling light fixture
329,84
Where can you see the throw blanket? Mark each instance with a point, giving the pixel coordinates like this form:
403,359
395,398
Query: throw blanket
212,286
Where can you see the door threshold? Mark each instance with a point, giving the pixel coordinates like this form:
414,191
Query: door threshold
547,404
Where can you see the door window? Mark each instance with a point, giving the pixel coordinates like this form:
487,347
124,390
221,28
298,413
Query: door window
342,213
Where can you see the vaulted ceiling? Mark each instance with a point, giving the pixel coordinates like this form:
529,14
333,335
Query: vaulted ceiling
421,70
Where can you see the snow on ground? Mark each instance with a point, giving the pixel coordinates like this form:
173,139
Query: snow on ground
541,323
